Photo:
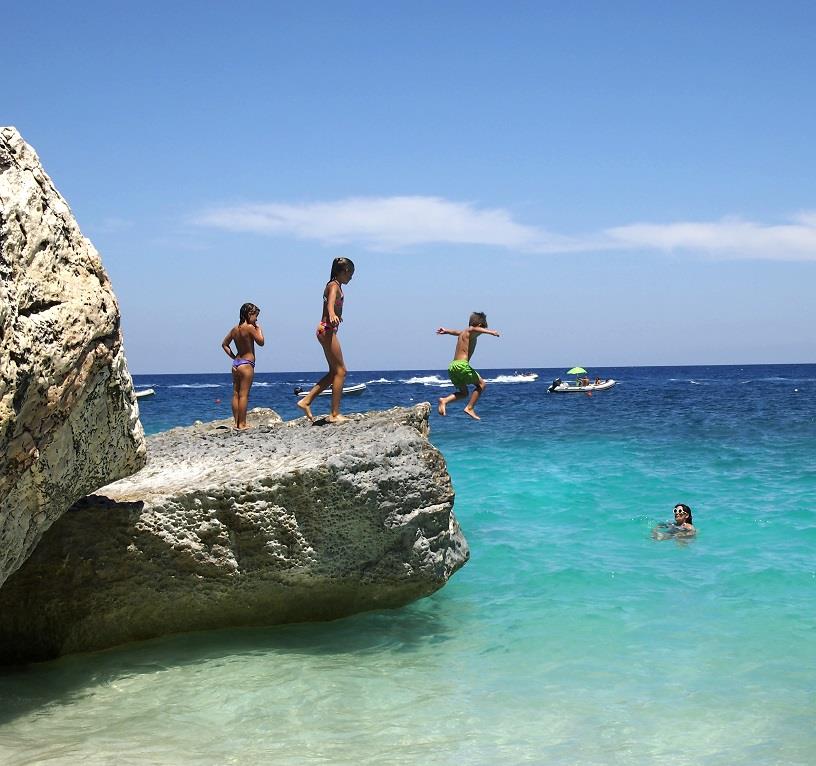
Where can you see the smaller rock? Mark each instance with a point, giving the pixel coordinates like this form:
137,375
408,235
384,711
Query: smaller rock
283,522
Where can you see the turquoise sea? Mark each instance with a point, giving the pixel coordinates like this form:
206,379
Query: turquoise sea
571,636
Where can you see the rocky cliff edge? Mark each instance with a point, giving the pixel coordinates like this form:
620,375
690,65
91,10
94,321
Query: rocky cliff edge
69,422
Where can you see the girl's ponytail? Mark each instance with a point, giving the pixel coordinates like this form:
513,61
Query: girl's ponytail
339,265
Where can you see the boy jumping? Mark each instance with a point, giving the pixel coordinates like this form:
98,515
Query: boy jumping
459,370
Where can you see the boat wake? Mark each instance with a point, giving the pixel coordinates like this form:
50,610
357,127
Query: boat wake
426,380
197,385
519,377
436,380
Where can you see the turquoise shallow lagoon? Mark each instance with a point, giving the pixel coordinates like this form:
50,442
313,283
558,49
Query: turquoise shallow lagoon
571,637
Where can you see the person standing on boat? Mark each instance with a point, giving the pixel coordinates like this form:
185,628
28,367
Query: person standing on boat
245,335
459,370
342,270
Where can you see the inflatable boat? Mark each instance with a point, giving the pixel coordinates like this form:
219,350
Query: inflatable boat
558,386
356,389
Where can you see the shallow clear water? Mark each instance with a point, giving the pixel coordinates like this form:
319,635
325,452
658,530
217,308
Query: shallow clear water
571,637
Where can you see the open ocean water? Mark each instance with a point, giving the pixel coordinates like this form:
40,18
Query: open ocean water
571,636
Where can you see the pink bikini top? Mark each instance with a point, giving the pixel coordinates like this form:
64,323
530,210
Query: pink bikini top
338,301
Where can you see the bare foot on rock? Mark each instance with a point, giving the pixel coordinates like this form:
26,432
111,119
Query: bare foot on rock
306,409
336,418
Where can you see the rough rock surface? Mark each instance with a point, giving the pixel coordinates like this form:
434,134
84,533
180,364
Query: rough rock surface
285,522
69,422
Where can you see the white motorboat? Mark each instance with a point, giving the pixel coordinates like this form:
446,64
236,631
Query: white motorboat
356,389
144,392
558,386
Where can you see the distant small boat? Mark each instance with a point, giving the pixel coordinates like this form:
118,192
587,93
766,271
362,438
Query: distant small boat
559,387
356,389
145,392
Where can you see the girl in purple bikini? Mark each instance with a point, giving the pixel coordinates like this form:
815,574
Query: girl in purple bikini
245,335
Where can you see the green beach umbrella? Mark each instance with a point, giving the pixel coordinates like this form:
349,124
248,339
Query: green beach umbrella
576,371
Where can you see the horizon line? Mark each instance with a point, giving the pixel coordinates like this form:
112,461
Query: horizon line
516,368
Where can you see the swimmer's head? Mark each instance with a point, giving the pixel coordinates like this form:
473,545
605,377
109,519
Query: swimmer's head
682,514
246,310
478,319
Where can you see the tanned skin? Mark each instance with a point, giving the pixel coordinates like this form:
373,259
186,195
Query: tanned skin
330,344
244,336
465,346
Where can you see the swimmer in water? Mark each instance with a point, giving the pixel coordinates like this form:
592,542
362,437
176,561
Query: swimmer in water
680,527
682,518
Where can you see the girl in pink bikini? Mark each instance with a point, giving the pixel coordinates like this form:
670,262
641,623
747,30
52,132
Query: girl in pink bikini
342,271
245,335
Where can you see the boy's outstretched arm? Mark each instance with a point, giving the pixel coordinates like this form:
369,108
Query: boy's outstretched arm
485,331
445,331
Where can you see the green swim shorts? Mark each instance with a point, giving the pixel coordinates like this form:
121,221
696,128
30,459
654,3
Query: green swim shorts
461,373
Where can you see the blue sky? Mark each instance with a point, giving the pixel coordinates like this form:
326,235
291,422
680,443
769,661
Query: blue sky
613,183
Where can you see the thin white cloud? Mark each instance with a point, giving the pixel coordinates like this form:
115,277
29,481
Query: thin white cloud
387,223
393,223
733,238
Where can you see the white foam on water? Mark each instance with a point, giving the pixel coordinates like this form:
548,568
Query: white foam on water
427,380
517,378
197,385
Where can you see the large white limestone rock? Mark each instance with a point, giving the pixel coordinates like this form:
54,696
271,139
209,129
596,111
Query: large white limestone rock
285,522
69,422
